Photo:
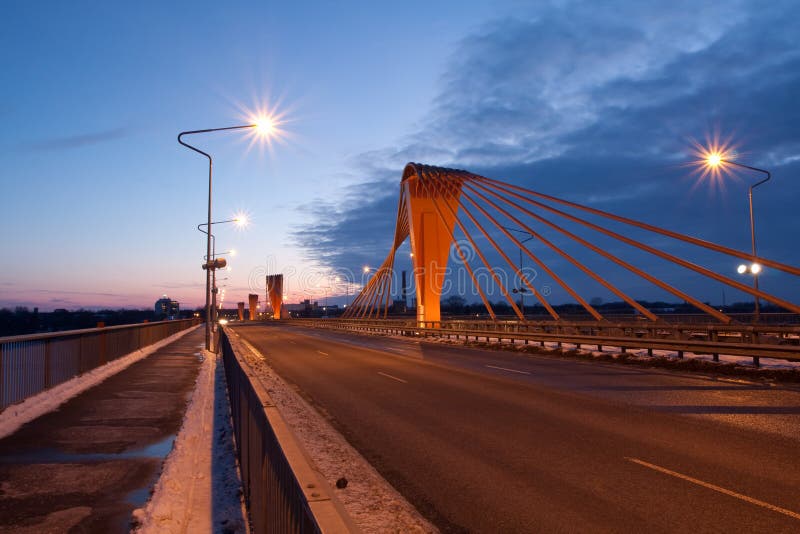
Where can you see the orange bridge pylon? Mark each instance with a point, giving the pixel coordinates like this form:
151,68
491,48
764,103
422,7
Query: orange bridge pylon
437,204
275,294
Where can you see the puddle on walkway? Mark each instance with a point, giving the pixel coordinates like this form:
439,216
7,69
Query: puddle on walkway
55,456
138,497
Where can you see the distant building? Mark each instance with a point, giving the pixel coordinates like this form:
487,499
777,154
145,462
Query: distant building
167,308
309,308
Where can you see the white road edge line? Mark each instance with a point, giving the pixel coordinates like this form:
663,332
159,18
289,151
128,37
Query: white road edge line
393,377
719,489
509,370
323,353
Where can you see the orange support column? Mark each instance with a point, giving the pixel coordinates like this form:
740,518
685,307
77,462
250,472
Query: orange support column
240,306
430,232
253,301
275,294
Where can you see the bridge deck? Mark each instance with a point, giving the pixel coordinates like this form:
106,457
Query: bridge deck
87,465
496,441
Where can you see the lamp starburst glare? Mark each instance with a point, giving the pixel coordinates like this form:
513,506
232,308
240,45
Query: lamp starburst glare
264,125
268,126
710,159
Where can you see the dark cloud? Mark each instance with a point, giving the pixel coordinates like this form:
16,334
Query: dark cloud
597,102
351,231
82,140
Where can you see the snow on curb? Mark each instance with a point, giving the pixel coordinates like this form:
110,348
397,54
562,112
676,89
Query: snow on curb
199,489
372,503
13,417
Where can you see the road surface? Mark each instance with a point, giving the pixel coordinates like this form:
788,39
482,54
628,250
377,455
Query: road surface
492,441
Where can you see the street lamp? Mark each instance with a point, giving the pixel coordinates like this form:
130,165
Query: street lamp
240,221
263,126
520,290
213,265
753,268
215,254
716,159
214,289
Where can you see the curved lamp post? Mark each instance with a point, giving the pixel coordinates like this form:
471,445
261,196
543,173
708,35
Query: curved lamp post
239,221
264,127
714,160
521,290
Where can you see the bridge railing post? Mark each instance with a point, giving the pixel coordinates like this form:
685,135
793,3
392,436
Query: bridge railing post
756,341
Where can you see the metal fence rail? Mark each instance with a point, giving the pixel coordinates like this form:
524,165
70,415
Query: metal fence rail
768,318
282,492
33,363
756,341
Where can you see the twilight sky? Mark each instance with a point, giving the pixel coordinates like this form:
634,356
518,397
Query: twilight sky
596,102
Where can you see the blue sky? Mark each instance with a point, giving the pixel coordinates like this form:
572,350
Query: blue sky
592,101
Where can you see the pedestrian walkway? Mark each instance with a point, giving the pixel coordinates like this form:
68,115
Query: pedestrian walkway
88,465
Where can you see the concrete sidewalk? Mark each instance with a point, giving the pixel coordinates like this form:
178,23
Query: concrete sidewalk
88,465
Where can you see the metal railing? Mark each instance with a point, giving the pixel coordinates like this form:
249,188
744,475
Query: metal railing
756,341
33,363
281,490
769,318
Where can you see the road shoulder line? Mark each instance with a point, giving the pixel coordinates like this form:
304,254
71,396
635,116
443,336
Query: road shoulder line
714,487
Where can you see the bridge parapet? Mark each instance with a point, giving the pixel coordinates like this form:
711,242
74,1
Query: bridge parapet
283,491
34,363
755,341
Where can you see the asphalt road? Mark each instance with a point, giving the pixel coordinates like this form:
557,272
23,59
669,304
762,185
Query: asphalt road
490,441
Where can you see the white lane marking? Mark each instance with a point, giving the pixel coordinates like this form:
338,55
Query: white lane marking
393,377
293,343
323,353
728,492
509,370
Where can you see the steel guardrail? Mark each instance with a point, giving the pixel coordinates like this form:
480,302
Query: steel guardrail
33,363
282,491
755,341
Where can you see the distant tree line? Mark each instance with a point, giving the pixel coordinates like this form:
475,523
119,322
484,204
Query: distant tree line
22,320
457,305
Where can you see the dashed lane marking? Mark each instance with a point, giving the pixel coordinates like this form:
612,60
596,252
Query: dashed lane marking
507,369
393,377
